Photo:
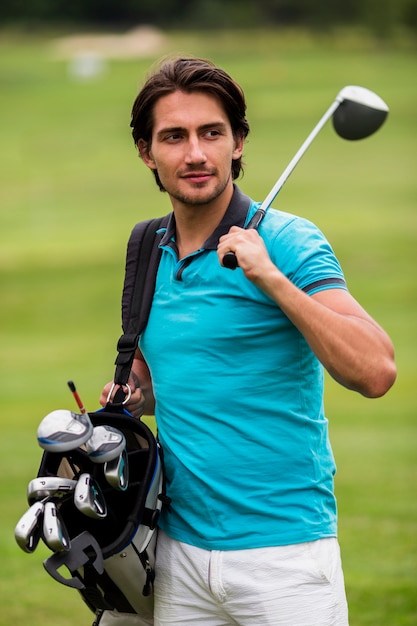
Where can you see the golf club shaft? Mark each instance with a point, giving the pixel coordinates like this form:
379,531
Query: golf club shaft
80,405
229,259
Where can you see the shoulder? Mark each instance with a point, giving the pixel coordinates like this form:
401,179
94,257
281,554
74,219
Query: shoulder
299,248
283,229
149,225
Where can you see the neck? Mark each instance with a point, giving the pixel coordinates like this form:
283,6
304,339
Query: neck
195,224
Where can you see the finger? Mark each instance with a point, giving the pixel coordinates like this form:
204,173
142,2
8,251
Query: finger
105,393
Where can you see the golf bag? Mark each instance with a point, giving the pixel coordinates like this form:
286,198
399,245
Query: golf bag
111,560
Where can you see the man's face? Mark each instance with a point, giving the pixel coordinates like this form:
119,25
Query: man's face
192,147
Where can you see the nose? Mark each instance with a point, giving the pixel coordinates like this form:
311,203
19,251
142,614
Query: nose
195,152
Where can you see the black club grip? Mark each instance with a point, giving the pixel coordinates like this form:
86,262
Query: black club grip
230,261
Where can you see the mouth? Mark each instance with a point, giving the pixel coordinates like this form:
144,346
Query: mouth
197,177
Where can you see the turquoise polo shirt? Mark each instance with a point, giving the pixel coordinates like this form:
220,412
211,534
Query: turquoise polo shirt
239,393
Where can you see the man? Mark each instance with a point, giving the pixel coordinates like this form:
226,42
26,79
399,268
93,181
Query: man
232,365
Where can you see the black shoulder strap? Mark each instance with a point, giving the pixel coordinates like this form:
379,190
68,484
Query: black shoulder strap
142,261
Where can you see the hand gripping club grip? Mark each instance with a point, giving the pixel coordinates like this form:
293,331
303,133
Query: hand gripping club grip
230,259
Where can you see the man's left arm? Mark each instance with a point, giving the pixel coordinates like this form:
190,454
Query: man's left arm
354,349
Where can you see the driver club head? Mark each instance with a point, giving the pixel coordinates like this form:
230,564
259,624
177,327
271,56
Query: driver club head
28,530
88,497
116,472
51,487
360,113
54,533
63,430
105,444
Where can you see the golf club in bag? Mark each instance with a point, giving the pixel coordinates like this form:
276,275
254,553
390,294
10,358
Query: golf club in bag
357,113
110,558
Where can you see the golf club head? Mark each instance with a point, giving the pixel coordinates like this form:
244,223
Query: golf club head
105,444
88,497
28,530
116,472
63,430
52,487
55,535
360,113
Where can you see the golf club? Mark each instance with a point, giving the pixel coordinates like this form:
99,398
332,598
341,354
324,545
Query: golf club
55,535
88,497
116,472
63,430
28,530
105,444
357,113
49,487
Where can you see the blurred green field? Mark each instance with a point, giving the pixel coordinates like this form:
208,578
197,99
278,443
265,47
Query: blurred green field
72,188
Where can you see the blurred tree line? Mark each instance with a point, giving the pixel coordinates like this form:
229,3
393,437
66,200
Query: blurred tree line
379,16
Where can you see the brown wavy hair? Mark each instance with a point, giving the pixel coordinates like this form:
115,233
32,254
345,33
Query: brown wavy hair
189,74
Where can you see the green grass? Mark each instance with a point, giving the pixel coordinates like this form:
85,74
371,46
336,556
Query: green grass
72,188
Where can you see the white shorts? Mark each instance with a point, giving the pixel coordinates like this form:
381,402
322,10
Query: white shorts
296,585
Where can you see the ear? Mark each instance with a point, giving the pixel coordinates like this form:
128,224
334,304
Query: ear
238,150
146,154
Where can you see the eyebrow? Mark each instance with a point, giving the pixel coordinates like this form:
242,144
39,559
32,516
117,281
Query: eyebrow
181,129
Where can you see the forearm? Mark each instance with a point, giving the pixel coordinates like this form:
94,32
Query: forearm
351,346
142,379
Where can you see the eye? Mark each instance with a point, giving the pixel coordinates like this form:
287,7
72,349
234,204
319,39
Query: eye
212,133
173,137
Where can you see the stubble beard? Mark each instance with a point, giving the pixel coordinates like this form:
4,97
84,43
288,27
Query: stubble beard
204,199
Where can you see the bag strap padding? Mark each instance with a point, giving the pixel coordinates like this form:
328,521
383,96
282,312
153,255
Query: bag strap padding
142,261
